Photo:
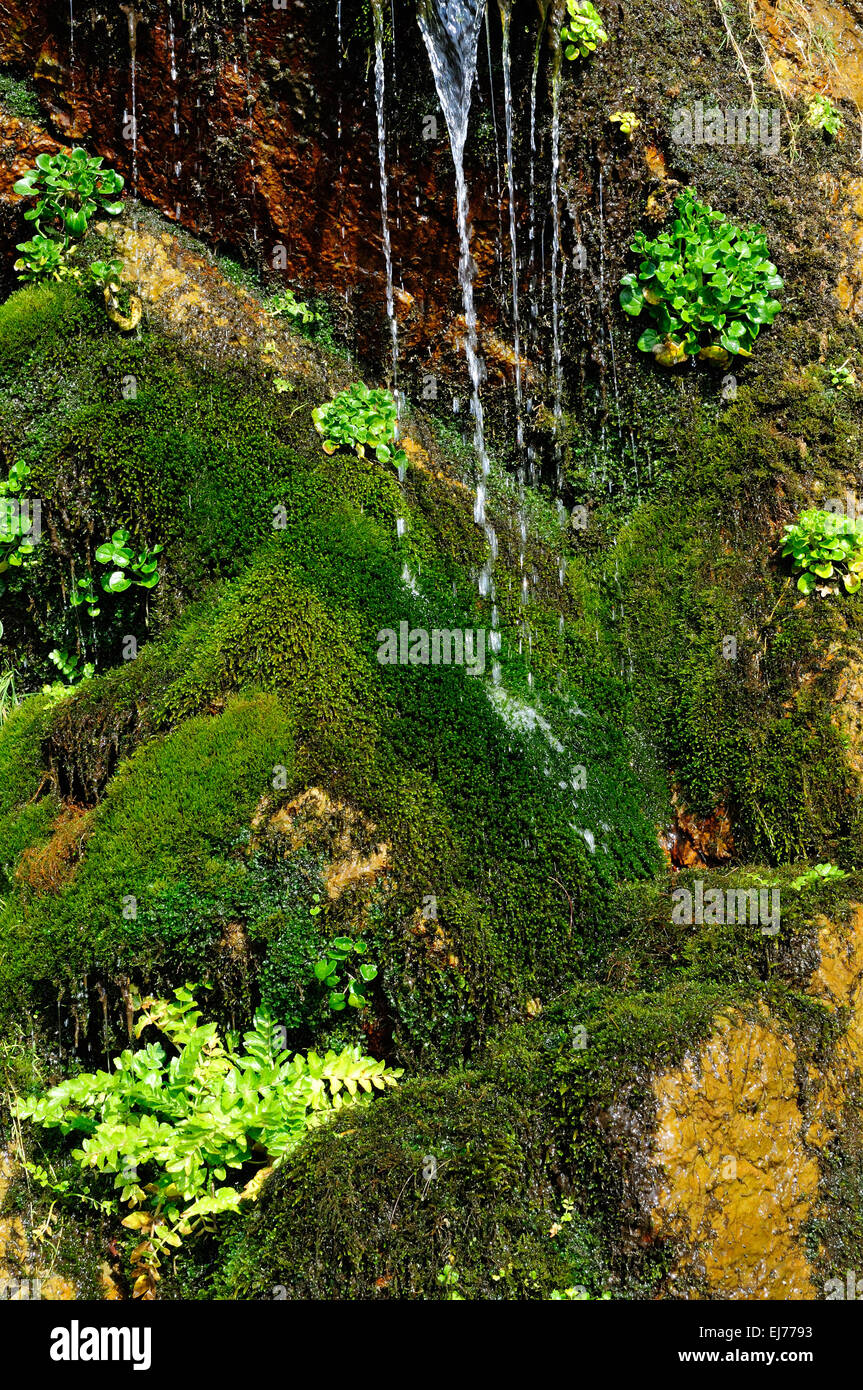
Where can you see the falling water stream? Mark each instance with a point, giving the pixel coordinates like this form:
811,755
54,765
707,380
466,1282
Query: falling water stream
557,55
499,245
133,60
537,52
450,30
377,8
506,19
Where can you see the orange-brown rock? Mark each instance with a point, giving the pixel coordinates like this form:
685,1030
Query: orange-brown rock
255,128
693,842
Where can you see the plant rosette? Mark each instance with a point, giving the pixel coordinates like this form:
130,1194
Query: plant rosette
68,188
44,258
288,306
627,121
824,546
360,418
704,282
821,114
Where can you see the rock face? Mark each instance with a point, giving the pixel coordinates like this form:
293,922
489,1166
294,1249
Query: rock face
739,1139
256,127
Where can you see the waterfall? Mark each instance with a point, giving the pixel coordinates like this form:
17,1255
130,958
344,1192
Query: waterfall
557,55
450,30
382,165
506,18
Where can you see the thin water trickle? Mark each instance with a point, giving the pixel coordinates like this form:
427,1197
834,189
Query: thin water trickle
557,55
499,247
602,301
382,166
506,22
534,306
133,58
71,36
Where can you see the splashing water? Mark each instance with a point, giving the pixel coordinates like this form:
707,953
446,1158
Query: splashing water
382,164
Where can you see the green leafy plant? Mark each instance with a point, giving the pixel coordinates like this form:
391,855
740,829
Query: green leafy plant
70,668
17,538
85,593
173,1128
287,306
105,275
701,281
842,376
68,187
823,545
626,120
450,1278
583,31
44,258
346,985
127,568
360,417
820,873
821,114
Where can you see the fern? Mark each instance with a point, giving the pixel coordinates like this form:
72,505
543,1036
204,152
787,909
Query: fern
190,1118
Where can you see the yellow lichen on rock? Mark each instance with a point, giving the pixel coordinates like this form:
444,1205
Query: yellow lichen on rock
736,1146
737,1184
838,982
193,299
315,819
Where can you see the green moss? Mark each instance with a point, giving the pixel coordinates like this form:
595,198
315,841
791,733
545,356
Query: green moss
172,814
19,98
24,816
